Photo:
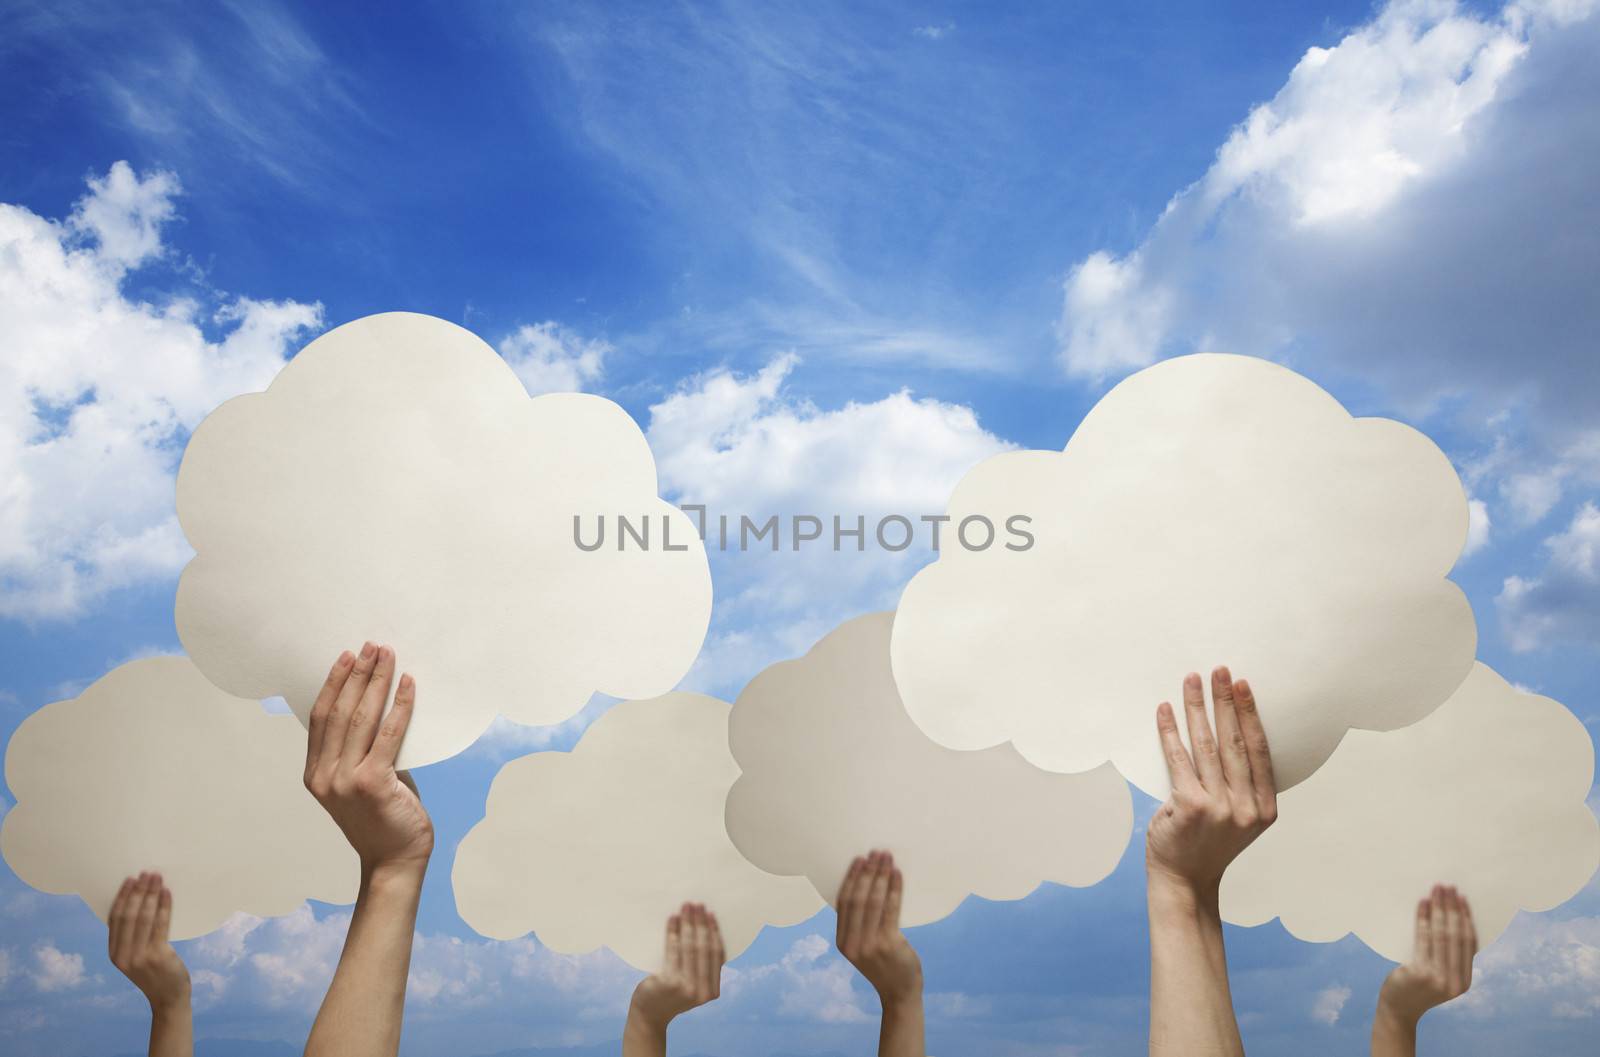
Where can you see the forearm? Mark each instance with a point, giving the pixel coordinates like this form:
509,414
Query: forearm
1394,1034
361,1015
1191,1006
902,1032
172,1030
643,1035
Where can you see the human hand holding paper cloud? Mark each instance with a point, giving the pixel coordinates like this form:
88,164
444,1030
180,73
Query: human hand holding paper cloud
1223,797
1440,969
690,976
870,939
140,921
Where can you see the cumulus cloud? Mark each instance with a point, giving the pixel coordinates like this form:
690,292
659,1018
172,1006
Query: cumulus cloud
55,970
551,358
832,767
1329,1003
1487,794
748,445
1210,509
106,787
1414,206
1562,603
99,387
639,832
398,458
1549,967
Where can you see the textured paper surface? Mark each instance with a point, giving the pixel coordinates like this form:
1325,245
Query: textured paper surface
597,847
833,767
396,483
1209,510
153,768
1486,794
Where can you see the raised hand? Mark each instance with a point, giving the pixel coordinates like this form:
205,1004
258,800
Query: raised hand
141,915
1440,969
690,976
1223,797
1223,793
870,939
350,756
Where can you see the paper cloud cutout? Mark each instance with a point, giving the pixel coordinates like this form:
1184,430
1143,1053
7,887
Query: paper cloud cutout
597,847
1210,509
152,767
832,767
396,483
1487,794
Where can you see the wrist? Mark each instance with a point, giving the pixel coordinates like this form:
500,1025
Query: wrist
170,1007
396,874
1177,894
1394,1011
645,1018
902,1000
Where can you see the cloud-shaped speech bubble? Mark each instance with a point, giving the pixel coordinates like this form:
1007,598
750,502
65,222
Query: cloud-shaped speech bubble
396,483
1210,509
600,845
152,767
833,767
1486,793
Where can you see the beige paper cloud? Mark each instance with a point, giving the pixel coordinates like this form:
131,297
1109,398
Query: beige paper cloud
152,767
395,482
598,846
832,767
1209,510
1487,793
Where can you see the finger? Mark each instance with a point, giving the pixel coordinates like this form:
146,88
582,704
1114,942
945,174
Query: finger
149,906
163,927
141,914
878,894
344,706
1202,743
1422,943
1180,767
1469,930
1452,938
1230,739
116,919
858,899
719,956
369,709
1436,925
702,951
392,732
672,957
1256,747
897,884
324,703
841,902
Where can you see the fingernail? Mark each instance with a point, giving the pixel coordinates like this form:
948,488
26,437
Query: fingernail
1242,686
406,682
345,658
385,653
1221,674
366,651
1192,680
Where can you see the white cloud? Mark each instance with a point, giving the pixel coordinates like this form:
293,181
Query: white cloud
1412,207
809,982
55,970
934,31
1478,526
551,358
1543,967
747,445
1563,601
99,388
1329,1003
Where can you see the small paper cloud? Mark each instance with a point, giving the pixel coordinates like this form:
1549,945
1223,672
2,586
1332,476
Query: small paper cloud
152,767
395,482
600,845
832,767
1210,509
1487,794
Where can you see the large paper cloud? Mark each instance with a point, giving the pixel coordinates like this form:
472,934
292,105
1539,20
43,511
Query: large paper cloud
597,847
1487,794
1210,509
152,767
395,482
832,767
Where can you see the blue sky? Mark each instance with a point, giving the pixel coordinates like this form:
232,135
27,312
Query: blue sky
797,230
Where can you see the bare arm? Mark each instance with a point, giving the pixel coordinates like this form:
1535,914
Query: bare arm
350,756
1223,797
141,916
1440,969
690,976
869,937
